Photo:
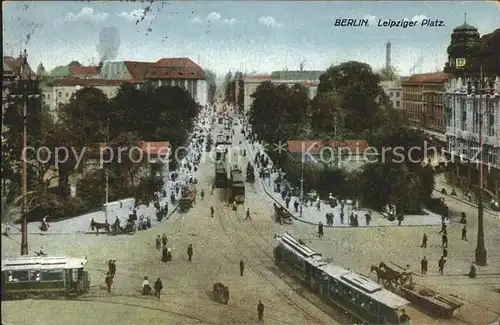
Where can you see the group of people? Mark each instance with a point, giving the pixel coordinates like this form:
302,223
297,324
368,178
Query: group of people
444,245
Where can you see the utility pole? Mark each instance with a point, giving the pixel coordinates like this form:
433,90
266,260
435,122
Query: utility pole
301,184
27,86
482,86
107,177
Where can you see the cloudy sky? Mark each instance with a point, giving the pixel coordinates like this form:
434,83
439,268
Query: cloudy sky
234,35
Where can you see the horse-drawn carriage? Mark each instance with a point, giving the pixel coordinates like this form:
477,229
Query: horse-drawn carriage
282,215
220,293
187,199
129,228
250,173
424,297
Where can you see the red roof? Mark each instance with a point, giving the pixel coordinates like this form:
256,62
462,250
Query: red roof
138,70
155,148
90,82
175,68
85,70
437,77
315,146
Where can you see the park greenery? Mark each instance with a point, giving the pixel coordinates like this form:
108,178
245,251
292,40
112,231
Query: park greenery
349,105
134,115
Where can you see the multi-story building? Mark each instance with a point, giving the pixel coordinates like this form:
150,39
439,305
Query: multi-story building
464,110
92,72
60,91
182,72
394,91
310,79
423,103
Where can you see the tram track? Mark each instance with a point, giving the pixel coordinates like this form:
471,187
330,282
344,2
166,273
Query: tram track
252,243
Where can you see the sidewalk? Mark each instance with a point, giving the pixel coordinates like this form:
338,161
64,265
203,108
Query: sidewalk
311,215
81,224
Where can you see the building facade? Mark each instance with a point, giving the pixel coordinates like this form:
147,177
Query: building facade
394,91
464,112
309,79
423,103
59,92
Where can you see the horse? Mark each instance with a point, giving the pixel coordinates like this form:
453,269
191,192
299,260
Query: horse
99,225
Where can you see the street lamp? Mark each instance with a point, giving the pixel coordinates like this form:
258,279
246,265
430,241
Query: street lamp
25,88
479,87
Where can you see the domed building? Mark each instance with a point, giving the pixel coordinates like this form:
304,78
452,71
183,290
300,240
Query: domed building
471,57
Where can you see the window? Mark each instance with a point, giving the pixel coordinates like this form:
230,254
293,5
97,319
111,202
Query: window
18,276
67,95
491,122
398,104
48,96
52,275
397,94
391,94
492,157
59,94
475,121
464,115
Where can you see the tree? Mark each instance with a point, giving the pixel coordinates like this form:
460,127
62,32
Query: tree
357,92
210,78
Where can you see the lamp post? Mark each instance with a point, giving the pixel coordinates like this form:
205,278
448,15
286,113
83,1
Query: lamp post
301,185
26,88
479,87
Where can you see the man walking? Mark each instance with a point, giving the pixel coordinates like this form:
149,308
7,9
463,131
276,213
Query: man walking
158,242
441,264
320,229
158,287
260,310
444,240
212,211
464,233
190,252
109,281
202,194
242,267
423,265
248,214
424,241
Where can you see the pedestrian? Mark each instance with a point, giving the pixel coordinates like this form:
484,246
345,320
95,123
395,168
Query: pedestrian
318,205
404,318
158,242
190,252
320,229
110,262
424,263
248,214
242,267
464,233
368,217
444,240
260,310
296,206
212,211
164,240
441,264
235,207
202,194
109,281
213,187
443,228
445,252
113,268
158,287
342,217
424,241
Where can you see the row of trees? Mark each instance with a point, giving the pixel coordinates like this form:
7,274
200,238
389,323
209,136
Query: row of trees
349,104
134,115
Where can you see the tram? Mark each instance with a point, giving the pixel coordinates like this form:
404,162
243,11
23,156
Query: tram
359,296
23,277
221,173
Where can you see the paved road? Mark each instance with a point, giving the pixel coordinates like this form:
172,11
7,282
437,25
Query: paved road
219,244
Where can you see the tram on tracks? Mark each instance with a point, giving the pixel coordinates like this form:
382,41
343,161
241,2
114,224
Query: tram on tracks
26,276
359,296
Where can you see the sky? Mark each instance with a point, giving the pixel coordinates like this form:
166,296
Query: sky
253,37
